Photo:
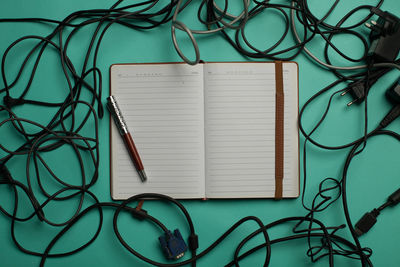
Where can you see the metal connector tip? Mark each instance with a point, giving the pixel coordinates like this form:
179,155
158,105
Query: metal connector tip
374,22
368,25
142,175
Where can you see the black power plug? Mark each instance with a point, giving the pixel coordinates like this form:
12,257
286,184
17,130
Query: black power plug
359,89
384,47
384,36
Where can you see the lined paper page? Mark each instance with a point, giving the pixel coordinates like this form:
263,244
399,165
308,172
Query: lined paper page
163,105
240,130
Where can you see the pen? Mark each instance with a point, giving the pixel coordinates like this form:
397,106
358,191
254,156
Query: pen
123,130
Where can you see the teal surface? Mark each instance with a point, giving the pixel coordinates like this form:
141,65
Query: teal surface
372,176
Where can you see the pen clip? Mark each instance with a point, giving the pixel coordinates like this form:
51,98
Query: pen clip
113,107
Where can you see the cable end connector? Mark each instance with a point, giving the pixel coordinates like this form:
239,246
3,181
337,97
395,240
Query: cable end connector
393,95
393,114
173,245
369,219
394,198
366,222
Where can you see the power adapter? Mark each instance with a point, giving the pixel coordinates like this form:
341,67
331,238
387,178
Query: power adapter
384,47
393,94
384,37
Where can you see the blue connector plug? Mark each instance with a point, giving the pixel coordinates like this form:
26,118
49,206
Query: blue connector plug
173,245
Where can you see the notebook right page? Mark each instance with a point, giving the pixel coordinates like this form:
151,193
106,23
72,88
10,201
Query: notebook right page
240,130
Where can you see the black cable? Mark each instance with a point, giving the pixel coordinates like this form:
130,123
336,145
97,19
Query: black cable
64,129
349,158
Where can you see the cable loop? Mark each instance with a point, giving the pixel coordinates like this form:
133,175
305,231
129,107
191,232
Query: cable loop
181,26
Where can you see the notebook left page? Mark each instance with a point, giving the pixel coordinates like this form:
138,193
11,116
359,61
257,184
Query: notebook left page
163,106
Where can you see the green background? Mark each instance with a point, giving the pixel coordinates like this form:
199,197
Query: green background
372,176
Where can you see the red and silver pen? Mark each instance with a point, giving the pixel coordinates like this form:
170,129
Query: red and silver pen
123,130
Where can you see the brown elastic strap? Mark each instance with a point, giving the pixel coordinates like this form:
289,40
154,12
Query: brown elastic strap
279,119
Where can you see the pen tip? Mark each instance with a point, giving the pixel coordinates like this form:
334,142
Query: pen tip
142,175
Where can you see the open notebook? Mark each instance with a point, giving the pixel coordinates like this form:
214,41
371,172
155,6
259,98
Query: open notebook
204,131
